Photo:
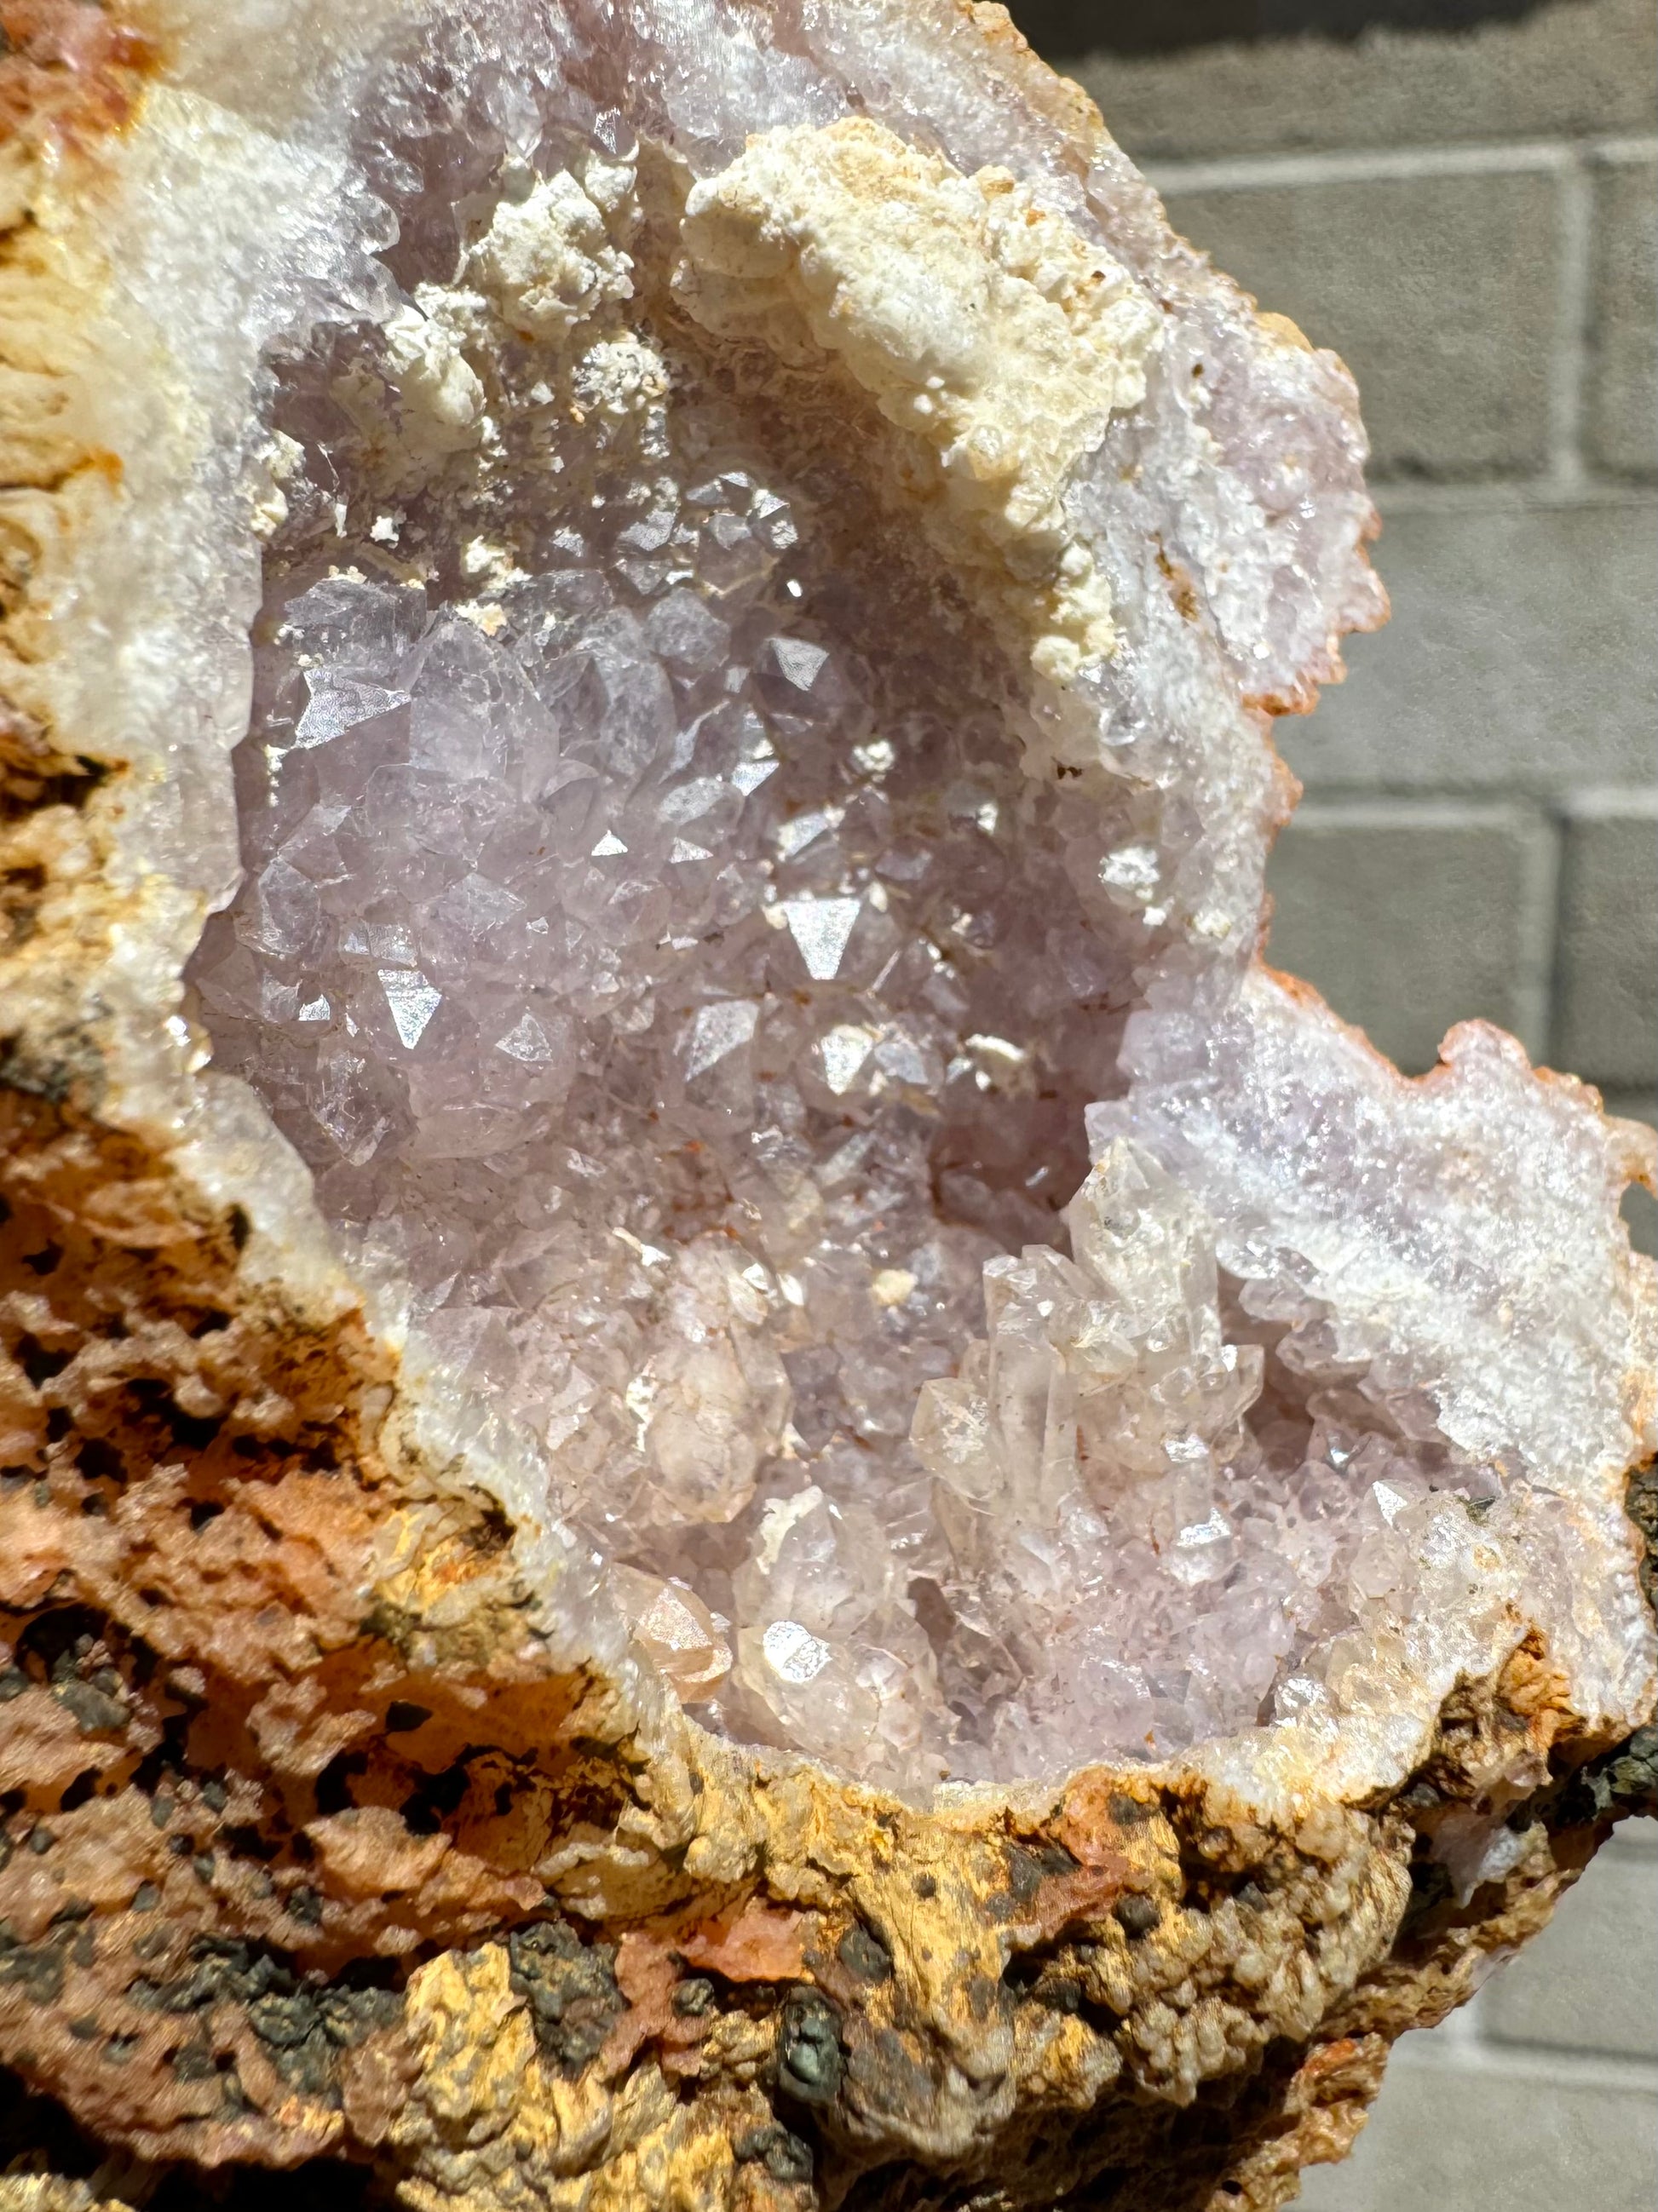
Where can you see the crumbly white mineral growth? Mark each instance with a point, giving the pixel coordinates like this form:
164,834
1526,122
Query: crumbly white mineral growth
698,951
548,261
549,270
992,335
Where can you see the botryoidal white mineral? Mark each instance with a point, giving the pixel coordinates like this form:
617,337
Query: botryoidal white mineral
758,777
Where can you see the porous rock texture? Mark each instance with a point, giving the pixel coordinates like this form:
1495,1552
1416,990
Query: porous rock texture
845,1743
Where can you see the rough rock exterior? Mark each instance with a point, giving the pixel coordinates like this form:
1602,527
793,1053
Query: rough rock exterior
350,1810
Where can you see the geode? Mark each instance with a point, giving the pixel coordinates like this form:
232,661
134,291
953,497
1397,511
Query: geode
737,1472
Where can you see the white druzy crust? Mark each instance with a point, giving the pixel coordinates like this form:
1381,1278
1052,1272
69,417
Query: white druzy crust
747,572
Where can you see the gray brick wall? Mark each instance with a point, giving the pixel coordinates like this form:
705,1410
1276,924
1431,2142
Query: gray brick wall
1470,221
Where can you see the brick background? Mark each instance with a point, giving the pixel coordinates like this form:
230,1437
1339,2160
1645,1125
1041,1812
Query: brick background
1470,221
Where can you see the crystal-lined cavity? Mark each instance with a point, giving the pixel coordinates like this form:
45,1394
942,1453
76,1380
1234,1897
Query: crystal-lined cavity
758,729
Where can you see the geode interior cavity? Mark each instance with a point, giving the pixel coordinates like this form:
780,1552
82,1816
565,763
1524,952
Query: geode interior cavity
757,771
766,571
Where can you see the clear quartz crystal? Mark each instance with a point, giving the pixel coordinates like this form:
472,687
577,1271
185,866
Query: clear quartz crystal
685,938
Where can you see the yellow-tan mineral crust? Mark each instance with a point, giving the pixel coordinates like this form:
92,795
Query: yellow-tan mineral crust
341,1818
990,335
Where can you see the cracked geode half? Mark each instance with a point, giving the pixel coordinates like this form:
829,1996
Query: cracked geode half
736,1471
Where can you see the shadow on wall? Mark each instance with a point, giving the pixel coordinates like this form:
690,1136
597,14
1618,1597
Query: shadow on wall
1057,27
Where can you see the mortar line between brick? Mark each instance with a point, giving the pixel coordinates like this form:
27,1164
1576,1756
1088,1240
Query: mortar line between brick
1366,166
1422,807
1551,2065
1622,149
1609,802
1537,981
1507,495
1569,358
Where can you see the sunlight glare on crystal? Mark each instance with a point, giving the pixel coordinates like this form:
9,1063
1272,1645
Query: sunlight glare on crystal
793,1652
821,928
412,1000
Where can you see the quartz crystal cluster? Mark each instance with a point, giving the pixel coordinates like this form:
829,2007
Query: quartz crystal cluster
752,836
